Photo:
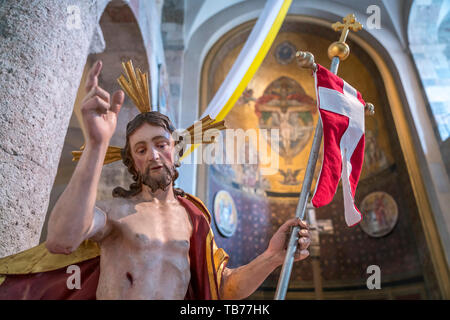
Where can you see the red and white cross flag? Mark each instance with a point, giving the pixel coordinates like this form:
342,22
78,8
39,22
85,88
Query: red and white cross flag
341,110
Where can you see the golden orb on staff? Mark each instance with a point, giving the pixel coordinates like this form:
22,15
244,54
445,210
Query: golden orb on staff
340,48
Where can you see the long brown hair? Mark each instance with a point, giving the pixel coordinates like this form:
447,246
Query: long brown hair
154,118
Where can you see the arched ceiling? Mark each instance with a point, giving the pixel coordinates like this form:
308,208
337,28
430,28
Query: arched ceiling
394,15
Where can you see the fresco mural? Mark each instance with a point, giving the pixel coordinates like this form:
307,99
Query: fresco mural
285,106
282,96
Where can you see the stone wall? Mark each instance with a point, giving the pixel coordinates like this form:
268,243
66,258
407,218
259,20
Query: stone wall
41,62
172,26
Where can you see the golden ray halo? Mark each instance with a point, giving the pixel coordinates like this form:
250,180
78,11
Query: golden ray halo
136,87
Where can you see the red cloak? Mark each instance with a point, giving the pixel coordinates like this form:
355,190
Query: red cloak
36,274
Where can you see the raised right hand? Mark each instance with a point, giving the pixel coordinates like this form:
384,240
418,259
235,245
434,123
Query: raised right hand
99,112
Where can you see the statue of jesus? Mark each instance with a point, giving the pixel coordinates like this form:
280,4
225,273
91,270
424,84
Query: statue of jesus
153,238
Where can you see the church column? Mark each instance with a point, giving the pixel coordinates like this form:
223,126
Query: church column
173,39
43,49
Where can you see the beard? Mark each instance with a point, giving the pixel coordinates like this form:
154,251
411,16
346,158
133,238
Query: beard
160,179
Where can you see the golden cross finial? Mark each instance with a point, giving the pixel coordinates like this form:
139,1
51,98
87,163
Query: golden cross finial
349,23
339,48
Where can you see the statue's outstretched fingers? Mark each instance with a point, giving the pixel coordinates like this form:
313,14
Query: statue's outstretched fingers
117,101
94,72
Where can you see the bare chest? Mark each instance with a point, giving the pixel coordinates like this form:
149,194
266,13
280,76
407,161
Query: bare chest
146,255
150,225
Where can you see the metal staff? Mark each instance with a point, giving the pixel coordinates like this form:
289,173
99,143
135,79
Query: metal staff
337,51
